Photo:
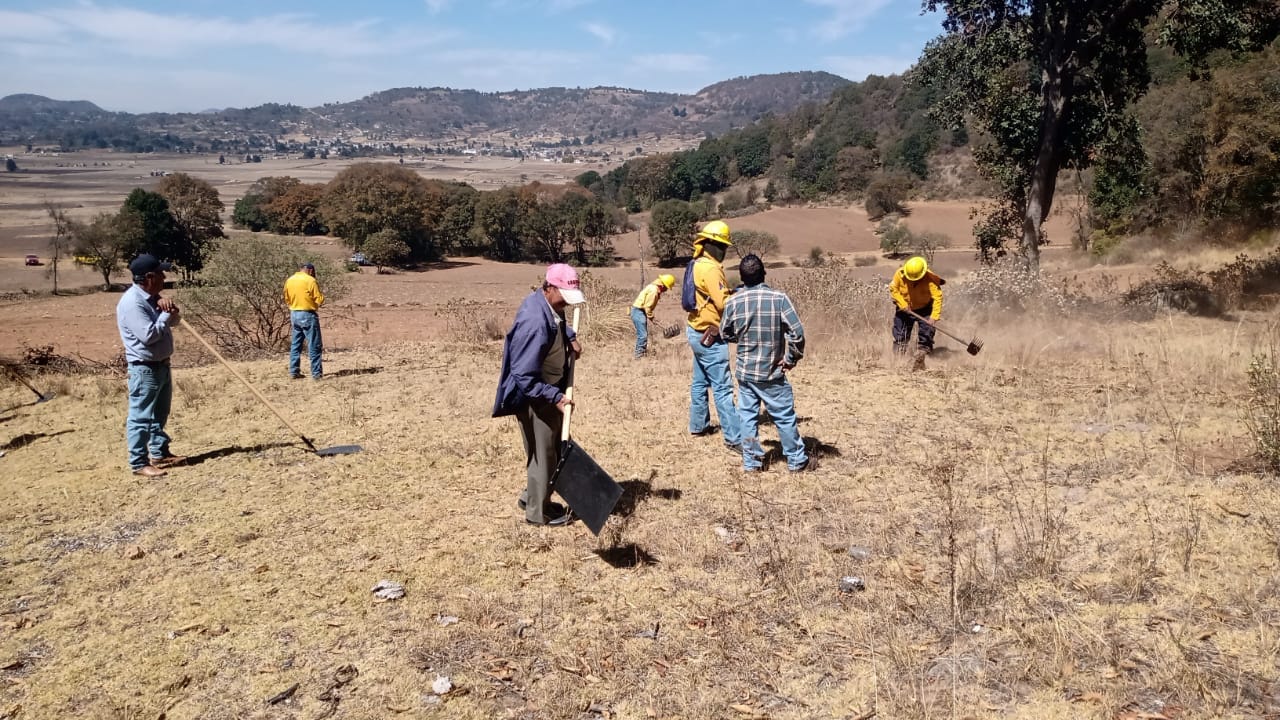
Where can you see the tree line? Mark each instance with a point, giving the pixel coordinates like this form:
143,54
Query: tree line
394,215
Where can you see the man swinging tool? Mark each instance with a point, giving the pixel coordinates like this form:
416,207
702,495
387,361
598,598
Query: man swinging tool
915,290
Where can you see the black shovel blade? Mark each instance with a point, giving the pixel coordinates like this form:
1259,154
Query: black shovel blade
45,397
585,486
339,450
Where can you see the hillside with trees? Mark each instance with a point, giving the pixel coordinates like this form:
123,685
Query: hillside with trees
402,114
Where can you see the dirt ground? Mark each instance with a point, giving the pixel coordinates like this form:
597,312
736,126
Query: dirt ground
1072,524
378,309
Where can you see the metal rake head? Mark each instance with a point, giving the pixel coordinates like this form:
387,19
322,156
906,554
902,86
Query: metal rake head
975,346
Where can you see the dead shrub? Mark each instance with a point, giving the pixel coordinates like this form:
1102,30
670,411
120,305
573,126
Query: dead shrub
1262,413
472,321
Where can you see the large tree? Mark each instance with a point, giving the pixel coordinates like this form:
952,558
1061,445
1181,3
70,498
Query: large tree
108,239
158,232
197,211
368,197
1050,82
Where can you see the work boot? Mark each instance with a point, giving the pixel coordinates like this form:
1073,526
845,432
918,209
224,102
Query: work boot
149,471
809,465
168,461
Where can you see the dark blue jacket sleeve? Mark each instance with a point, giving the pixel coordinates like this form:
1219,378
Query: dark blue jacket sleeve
528,346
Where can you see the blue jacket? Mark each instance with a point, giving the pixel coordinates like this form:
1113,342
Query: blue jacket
526,346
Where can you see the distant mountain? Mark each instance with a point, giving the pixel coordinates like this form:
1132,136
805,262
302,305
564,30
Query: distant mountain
27,103
403,114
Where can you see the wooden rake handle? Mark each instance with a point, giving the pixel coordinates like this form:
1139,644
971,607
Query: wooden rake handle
568,393
934,324
241,378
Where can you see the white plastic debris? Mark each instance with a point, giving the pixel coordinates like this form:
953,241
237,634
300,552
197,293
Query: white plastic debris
852,583
388,590
442,685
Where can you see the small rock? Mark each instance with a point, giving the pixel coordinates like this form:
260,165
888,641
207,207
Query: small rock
431,701
388,590
446,620
852,583
135,553
442,685
977,628
858,552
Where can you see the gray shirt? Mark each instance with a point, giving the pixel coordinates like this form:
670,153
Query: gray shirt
144,329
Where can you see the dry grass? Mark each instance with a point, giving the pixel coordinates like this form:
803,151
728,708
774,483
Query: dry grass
1057,528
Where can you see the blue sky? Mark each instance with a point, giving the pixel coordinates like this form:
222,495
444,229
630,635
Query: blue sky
189,55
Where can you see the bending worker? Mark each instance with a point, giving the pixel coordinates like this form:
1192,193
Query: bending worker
642,309
917,290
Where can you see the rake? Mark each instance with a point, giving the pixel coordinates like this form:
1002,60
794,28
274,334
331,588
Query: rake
973,346
41,397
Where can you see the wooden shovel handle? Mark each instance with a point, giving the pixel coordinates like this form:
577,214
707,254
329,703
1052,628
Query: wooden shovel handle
241,378
568,393
934,324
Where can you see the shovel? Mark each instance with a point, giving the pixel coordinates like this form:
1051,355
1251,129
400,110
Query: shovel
323,452
973,346
41,396
583,484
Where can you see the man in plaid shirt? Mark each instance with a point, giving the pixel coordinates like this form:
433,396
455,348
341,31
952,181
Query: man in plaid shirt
770,338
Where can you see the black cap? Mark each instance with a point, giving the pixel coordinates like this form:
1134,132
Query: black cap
147,263
307,266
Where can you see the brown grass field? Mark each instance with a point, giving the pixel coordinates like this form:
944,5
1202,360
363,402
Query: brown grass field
1069,525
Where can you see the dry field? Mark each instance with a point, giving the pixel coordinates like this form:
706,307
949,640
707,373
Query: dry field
1066,526
1069,525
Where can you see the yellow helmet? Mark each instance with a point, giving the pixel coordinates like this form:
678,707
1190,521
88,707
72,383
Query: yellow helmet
715,231
915,268
668,280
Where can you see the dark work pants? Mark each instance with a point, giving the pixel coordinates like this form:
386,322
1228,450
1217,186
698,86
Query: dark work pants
540,424
902,324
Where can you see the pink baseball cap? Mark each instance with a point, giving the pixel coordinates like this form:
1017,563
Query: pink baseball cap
566,278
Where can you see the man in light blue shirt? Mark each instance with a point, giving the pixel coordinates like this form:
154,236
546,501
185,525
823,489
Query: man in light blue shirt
145,321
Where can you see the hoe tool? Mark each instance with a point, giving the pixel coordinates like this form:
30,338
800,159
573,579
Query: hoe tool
41,397
973,346
583,484
323,452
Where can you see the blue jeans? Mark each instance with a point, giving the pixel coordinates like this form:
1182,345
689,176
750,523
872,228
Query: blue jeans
150,395
711,369
641,321
306,327
780,403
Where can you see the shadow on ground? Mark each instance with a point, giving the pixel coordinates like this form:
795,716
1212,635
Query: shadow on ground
635,492
234,450
627,556
26,439
356,371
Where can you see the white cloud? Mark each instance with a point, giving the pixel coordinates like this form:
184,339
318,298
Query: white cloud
858,67
672,63
602,31
435,6
846,16
145,34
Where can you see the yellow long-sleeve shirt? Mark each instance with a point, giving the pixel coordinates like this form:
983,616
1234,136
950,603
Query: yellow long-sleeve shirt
647,300
302,292
712,291
916,295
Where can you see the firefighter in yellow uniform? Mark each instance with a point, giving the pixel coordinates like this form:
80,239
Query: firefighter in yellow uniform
916,289
642,309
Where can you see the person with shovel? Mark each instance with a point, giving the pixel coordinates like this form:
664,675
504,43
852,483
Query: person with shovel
916,292
536,358
765,325
642,309
145,321
704,300
302,295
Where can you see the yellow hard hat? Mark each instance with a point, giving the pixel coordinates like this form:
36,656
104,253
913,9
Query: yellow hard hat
915,268
715,231
668,280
